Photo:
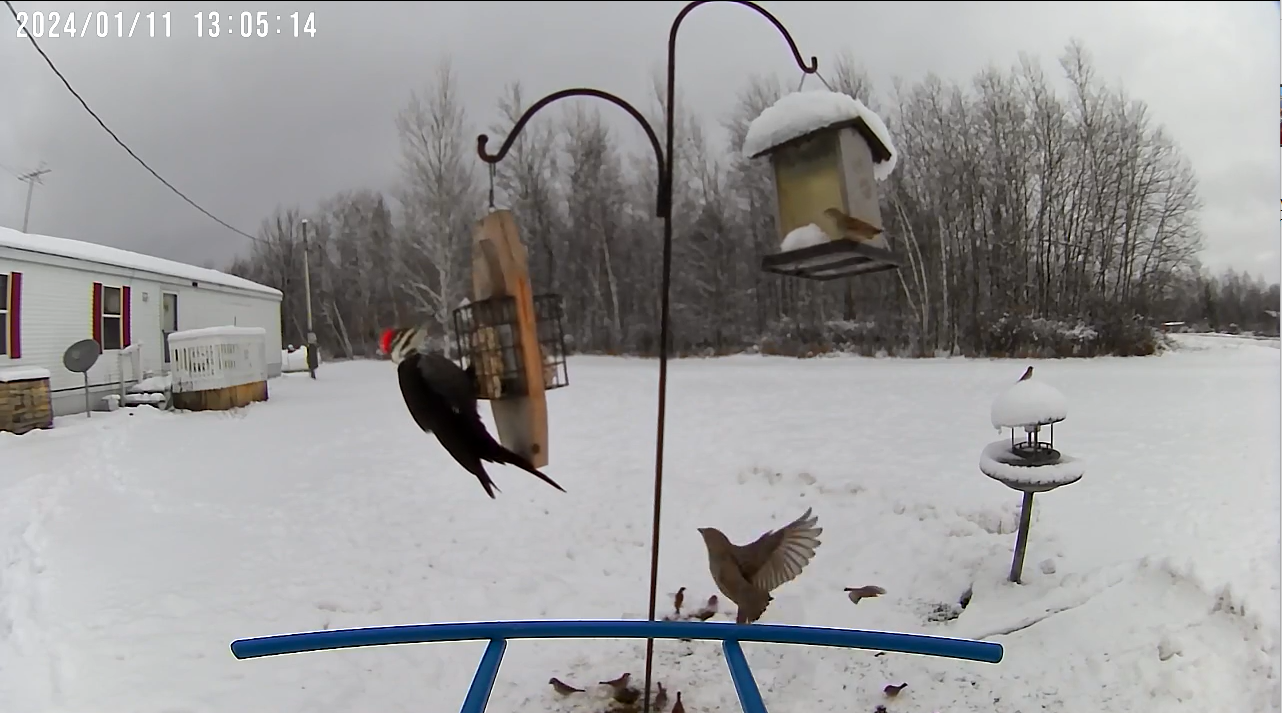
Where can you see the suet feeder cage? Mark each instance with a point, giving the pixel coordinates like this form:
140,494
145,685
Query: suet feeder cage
827,152
487,337
1029,463
511,338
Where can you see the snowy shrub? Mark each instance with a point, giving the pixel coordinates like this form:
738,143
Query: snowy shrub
788,337
1017,336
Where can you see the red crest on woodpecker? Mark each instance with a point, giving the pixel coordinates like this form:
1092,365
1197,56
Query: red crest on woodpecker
385,342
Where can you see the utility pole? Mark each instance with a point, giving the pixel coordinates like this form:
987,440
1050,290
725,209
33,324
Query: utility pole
312,356
32,179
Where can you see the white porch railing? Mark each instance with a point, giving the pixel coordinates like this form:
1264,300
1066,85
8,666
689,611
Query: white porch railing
217,358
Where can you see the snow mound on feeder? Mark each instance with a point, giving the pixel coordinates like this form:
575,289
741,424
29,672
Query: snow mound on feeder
1029,403
801,113
807,236
999,463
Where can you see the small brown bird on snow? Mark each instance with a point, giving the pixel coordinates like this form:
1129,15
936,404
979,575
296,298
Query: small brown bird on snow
891,690
619,682
709,610
747,574
867,592
678,707
679,599
563,688
1027,374
661,698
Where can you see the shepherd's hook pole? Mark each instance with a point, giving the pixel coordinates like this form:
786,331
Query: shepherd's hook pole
307,290
664,311
663,209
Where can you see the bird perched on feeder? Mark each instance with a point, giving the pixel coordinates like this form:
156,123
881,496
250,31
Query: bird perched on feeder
441,398
747,574
851,227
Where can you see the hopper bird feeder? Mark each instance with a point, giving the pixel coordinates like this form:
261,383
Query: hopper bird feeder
1029,463
827,151
511,339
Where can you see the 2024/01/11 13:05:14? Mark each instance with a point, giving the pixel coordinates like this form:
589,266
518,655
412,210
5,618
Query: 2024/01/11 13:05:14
255,23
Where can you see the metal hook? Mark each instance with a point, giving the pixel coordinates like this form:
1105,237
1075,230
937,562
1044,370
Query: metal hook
491,186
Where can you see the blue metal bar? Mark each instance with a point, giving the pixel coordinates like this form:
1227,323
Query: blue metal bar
984,651
478,694
744,684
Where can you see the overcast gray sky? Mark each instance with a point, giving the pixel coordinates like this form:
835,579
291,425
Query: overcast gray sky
244,124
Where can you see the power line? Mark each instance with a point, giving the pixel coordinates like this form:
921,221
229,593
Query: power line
130,151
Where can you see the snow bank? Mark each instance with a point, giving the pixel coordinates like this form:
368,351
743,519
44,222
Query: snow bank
23,373
801,113
1029,403
804,237
999,463
92,252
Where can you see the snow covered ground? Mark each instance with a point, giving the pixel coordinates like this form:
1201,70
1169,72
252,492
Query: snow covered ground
136,545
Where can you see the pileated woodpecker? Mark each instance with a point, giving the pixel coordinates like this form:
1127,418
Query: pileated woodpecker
442,399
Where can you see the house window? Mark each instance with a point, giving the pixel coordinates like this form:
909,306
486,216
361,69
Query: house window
10,314
111,316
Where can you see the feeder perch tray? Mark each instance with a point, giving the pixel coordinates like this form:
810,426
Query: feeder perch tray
1000,462
487,337
830,260
1033,453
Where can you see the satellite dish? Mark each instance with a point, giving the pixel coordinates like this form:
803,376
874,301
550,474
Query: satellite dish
80,358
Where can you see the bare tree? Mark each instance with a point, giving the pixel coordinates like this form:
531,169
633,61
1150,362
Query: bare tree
1029,219
440,196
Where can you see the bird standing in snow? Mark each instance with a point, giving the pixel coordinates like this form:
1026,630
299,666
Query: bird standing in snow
1027,374
866,592
747,574
562,687
441,398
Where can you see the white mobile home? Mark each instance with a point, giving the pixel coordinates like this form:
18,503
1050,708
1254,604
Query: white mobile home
55,292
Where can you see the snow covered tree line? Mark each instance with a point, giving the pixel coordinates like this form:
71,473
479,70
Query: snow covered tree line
1029,221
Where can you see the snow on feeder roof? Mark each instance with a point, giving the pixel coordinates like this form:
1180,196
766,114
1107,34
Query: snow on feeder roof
795,116
828,152
1029,403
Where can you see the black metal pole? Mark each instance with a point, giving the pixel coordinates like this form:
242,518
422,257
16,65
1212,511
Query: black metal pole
1021,538
663,209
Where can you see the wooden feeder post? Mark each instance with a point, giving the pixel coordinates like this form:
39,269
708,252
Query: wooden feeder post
1031,465
516,350
827,151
